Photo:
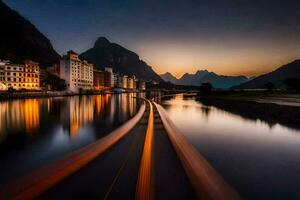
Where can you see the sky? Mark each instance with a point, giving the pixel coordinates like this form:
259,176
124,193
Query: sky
230,37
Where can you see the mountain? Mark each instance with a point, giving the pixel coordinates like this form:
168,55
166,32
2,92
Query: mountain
20,40
105,54
204,76
277,77
168,77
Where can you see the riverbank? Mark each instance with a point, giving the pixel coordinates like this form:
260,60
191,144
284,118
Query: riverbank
42,94
271,108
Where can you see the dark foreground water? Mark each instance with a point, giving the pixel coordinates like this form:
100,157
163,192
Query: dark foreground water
34,132
261,161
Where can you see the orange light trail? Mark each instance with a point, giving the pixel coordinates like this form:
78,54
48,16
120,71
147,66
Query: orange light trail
143,190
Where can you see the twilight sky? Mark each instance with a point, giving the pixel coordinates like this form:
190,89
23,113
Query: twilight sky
230,37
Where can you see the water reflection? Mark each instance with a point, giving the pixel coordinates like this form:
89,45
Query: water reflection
19,115
250,154
36,131
73,113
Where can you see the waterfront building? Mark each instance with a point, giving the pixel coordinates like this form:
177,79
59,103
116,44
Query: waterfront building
135,83
130,83
118,80
142,85
108,77
20,76
124,81
99,79
77,73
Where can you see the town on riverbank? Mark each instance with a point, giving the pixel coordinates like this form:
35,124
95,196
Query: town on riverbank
71,76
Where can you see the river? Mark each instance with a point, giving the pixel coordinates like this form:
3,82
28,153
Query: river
260,160
34,132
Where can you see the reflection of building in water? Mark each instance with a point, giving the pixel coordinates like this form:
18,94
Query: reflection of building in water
98,104
79,111
125,106
19,115
31,113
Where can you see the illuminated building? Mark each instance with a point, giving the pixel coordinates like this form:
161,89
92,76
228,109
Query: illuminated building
130,82
108,77
118,79
78,74
142,85
124,81
135,84
99,77
19,76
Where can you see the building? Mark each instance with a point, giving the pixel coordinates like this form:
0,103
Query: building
108,77
130,83
99,77
135,83
124,81
142,85
18,76
118,79
77,73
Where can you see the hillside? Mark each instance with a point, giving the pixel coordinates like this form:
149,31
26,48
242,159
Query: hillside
277,77
105,54
21,40
203,76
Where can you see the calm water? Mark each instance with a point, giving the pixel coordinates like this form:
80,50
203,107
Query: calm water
34,132
260,161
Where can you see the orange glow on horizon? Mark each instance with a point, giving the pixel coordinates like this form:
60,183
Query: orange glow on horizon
249,58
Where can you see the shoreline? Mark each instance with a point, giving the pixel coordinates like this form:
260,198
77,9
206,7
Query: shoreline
269,112
46,94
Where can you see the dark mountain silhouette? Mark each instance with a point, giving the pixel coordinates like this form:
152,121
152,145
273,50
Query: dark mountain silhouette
168,77
204,76
107,54
20,40
277,77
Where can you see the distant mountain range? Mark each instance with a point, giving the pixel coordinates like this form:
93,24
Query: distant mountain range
106,54
277,77
204,76
20,40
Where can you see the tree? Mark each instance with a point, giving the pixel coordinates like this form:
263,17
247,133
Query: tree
55,82
292,83
206,88
270,86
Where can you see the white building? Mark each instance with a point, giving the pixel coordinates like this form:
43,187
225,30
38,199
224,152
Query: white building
78,74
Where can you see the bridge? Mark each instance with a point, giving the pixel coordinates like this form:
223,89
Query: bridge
146,158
